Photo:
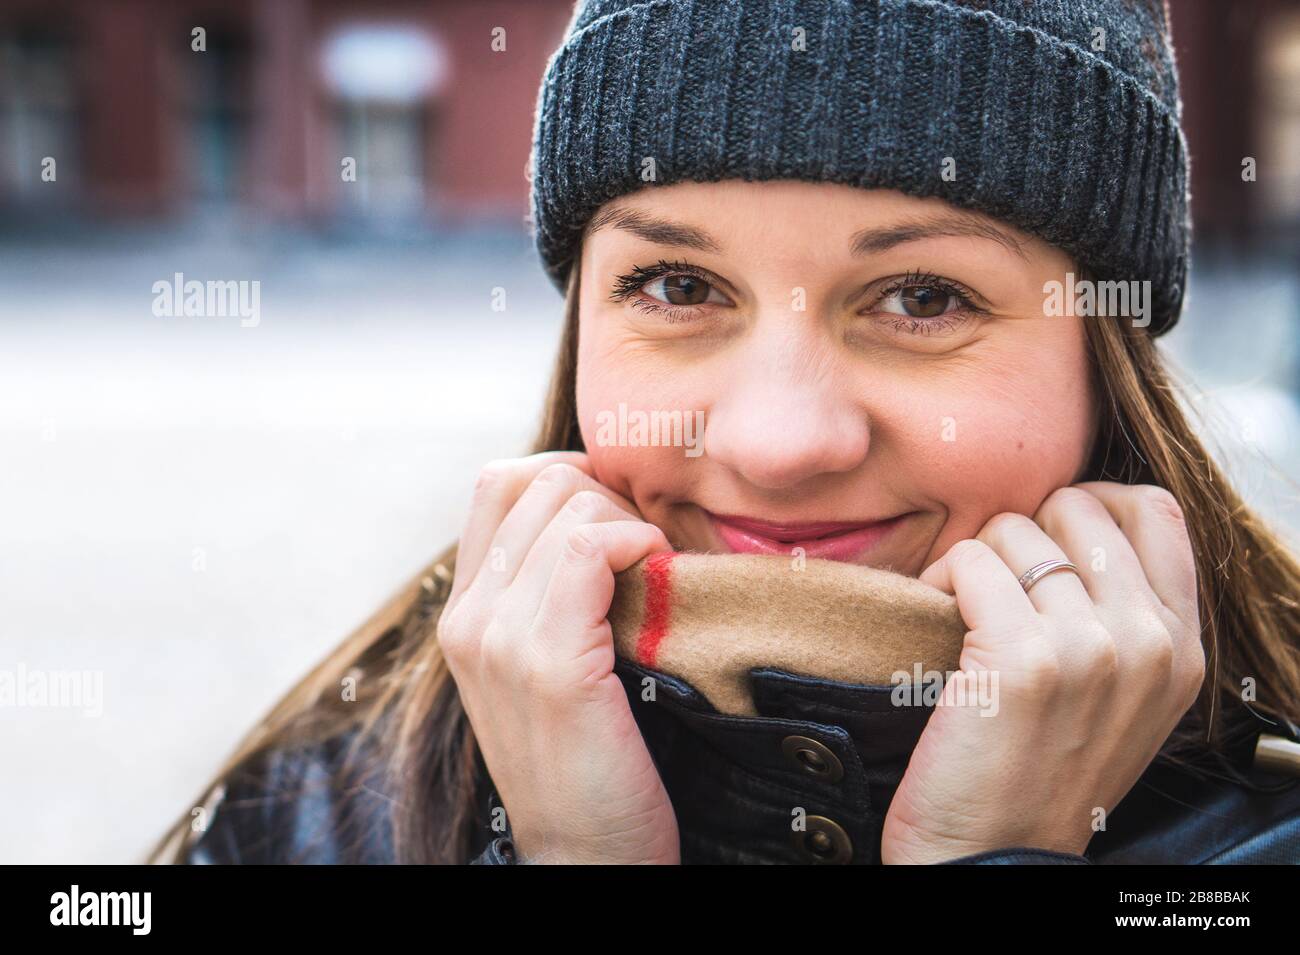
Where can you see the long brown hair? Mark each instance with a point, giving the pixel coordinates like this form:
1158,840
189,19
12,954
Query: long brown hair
410,726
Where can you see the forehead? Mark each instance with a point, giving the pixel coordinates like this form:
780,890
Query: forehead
716,216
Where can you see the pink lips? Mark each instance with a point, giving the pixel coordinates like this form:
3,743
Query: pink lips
830,540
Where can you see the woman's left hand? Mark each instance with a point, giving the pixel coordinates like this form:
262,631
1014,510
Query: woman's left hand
1093,672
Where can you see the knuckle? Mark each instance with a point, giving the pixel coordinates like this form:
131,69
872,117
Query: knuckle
584,542
1194,673
444,633
494,659
1042,666
1102,653
1070,499
497,650
493,477
538,674
586,504
1196,657
999,526
451,635
967,551
1160,502
1148,632
1163,654
1169,665
559,475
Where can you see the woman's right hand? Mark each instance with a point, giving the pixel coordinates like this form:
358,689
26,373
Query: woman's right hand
525,635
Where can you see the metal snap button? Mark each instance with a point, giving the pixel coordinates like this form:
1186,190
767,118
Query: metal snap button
1277,754
824,842
813,758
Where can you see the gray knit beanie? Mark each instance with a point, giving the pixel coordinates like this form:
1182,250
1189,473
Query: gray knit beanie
1060,116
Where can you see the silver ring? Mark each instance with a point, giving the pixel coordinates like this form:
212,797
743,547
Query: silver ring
1036,573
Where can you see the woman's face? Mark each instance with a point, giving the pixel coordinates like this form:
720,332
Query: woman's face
875,373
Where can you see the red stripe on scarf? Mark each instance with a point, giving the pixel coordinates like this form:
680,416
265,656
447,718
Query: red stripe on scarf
658,591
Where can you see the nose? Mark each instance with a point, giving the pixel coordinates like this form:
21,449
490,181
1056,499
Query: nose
789,412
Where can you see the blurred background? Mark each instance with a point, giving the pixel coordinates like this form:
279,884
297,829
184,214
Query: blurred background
198,508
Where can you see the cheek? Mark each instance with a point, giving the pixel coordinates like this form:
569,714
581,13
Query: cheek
647,477
618,396
1004,444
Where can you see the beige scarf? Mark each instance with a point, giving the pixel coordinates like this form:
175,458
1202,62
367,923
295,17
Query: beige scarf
707,619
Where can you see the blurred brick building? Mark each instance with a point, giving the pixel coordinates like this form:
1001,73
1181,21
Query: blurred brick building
1239,64
432,98
438,115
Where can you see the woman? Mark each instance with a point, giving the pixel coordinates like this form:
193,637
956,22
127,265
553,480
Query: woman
840,232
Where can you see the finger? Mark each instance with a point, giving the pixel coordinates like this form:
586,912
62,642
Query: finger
581,510
987,593
498,486
582,585
1085,530
1022,544
1152,520
556,486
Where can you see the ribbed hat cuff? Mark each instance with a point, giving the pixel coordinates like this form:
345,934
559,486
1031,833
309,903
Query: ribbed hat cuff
1042,133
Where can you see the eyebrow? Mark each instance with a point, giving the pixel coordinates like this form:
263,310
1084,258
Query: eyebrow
659,231
868,241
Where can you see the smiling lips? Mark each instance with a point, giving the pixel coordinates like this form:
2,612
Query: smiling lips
830,540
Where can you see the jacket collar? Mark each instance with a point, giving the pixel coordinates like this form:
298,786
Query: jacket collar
809,779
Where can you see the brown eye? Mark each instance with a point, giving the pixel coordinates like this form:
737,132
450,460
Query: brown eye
924,304
680,290
924,301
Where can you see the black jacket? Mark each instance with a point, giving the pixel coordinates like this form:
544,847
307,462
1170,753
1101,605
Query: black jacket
807,781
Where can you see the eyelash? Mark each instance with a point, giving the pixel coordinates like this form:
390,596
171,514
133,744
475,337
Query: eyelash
627,286
966,307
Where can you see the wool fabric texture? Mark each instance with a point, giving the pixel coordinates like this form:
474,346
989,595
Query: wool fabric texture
709,619
1061,117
